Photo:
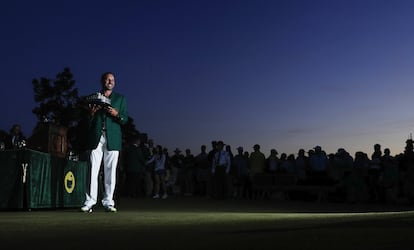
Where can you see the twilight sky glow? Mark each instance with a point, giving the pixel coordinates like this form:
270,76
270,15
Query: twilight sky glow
284,74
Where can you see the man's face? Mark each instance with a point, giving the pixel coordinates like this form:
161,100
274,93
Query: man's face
108,83
16,130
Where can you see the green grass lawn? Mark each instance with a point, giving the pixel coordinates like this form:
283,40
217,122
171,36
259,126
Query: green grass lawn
196,223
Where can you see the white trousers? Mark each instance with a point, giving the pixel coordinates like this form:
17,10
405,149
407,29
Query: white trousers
110,161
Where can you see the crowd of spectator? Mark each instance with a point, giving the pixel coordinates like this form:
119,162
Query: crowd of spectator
149,170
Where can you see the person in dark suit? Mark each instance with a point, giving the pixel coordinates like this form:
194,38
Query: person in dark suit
135,159
104,139
17,139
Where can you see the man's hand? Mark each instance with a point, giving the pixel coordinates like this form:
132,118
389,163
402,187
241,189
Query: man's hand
110,110
93,108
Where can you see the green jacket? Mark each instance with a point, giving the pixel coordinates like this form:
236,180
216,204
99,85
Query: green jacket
112,124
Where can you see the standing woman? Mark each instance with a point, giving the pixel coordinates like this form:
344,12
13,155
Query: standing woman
159,159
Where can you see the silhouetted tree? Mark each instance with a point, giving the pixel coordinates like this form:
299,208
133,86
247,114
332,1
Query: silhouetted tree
129,130
58,99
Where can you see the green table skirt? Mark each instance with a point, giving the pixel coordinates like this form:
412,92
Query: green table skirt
32,179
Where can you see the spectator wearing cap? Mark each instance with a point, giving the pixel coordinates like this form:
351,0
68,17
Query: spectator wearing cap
220,170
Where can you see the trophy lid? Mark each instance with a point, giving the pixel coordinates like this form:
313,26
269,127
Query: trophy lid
98,98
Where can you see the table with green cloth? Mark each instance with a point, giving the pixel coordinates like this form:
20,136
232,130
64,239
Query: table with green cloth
31,179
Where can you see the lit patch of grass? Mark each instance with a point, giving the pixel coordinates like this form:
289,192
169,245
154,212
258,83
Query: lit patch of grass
208,229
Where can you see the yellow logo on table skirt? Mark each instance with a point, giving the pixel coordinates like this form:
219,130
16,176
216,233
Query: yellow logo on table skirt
69,182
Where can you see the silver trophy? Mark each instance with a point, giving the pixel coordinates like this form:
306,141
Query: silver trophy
98,99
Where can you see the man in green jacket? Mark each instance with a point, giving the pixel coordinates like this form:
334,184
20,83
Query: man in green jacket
104,139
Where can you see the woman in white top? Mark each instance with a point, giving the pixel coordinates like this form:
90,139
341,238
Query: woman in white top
159,172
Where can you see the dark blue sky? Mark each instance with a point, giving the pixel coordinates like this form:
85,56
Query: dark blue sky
283,74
